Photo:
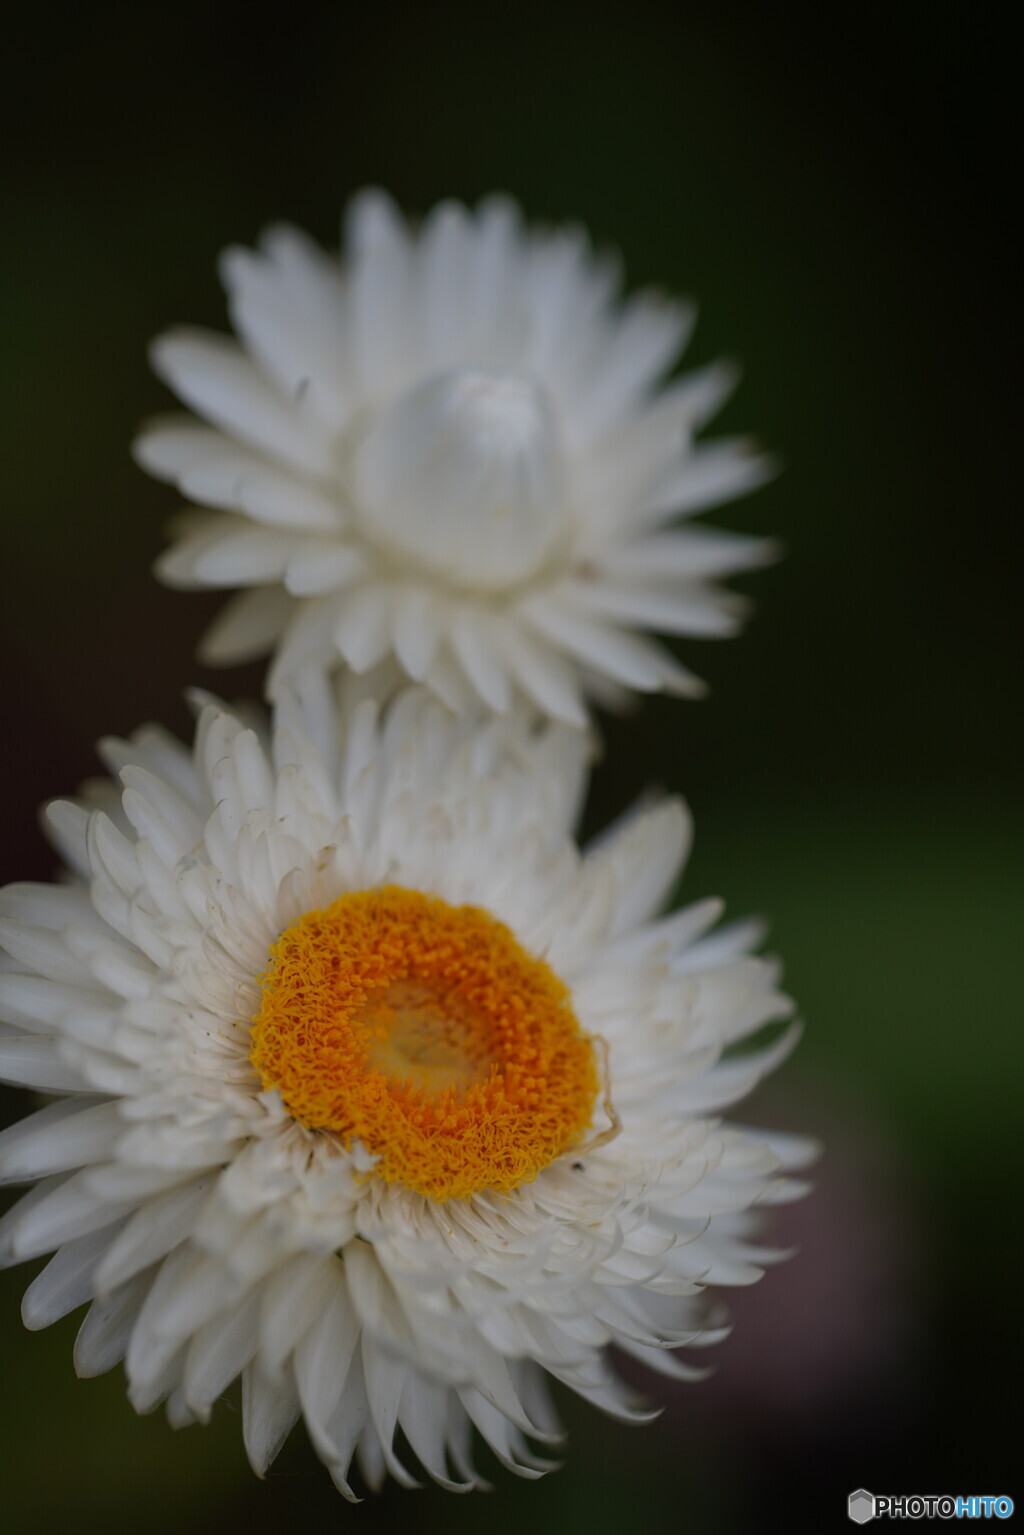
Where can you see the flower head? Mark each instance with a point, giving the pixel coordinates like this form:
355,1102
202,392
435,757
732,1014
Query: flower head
375,1090
457,449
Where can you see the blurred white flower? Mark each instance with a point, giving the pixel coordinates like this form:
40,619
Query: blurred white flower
373,1089
457,448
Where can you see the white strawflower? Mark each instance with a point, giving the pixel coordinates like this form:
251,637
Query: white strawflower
458,448
373,1089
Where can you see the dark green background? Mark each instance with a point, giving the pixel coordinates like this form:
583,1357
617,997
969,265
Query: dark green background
833,185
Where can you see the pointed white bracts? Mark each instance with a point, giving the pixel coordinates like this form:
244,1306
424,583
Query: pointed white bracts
212,1235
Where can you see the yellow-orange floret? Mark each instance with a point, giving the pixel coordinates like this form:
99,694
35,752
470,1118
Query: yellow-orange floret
428,1033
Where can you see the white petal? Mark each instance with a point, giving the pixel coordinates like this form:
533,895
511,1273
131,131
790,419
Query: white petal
321,1364
309,641
480,658
672,611
212,374
270,1410
153,1231
646,857
544,676
363,633
446,256
67,1281
500,1436
691,554
68,1210
43,951
211,469
380,292
247,626
49,906
418,625
43,1006
53,1140
423,1416
385,1379
282,328
34,1060
15,1214
714,473
648,337
218,1353
293,1297
245,557
103,1337
159,814
732,1080
322,565
606,649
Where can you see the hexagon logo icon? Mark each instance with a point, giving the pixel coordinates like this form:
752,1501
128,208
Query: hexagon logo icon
861,1506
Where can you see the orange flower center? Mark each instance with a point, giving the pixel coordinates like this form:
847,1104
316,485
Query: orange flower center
428,1033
